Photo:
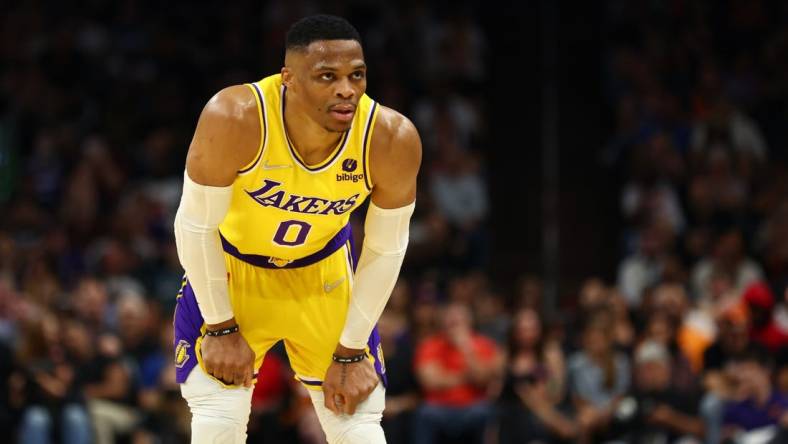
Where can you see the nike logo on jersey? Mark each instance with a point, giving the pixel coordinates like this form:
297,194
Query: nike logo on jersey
329,287
266,166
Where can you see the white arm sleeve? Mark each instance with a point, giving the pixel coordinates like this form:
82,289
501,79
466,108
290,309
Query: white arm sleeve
385,242
197,221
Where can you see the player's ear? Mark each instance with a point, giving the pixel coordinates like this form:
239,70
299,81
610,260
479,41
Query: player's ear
287,77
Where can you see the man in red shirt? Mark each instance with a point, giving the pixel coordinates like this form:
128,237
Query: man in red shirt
764,329
456,369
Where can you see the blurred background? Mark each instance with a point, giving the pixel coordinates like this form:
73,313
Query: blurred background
599,252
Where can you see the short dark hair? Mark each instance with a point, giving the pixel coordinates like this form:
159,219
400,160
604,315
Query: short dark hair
319,27
758,356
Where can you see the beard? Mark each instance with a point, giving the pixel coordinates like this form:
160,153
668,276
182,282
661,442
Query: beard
337,128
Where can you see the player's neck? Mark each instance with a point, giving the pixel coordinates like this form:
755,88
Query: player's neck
313,142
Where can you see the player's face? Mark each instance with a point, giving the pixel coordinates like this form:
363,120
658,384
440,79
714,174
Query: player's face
329,78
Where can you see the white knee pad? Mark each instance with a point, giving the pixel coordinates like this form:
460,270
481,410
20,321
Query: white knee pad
219,414
363,427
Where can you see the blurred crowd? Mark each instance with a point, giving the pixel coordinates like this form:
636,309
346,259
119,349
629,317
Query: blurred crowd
688,343
98,102
699,98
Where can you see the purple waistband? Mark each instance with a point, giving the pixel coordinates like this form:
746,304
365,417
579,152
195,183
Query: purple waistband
257,260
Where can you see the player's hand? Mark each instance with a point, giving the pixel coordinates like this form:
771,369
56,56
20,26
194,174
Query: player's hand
347,385
228,358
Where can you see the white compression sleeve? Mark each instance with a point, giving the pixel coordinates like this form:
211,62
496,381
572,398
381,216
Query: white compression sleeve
197,221
385,242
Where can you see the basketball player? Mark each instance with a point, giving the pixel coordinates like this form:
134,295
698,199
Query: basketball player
273,172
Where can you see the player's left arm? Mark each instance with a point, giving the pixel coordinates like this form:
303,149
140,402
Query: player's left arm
395,157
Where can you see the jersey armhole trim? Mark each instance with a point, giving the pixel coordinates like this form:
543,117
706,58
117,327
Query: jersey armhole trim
261,115
367,144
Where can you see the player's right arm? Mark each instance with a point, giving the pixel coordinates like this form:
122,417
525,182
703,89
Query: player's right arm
226,139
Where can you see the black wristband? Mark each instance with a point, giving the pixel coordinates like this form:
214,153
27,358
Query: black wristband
223,332
350,360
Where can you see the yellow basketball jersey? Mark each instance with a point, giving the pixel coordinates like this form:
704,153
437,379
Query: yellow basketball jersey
282,207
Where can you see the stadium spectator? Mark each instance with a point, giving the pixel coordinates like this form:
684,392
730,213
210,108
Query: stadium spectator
695,328
732,342
755,403
764,329
598,374
644,268
456,370
106,381
54,405
729,256
532,401
662,329
657,410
